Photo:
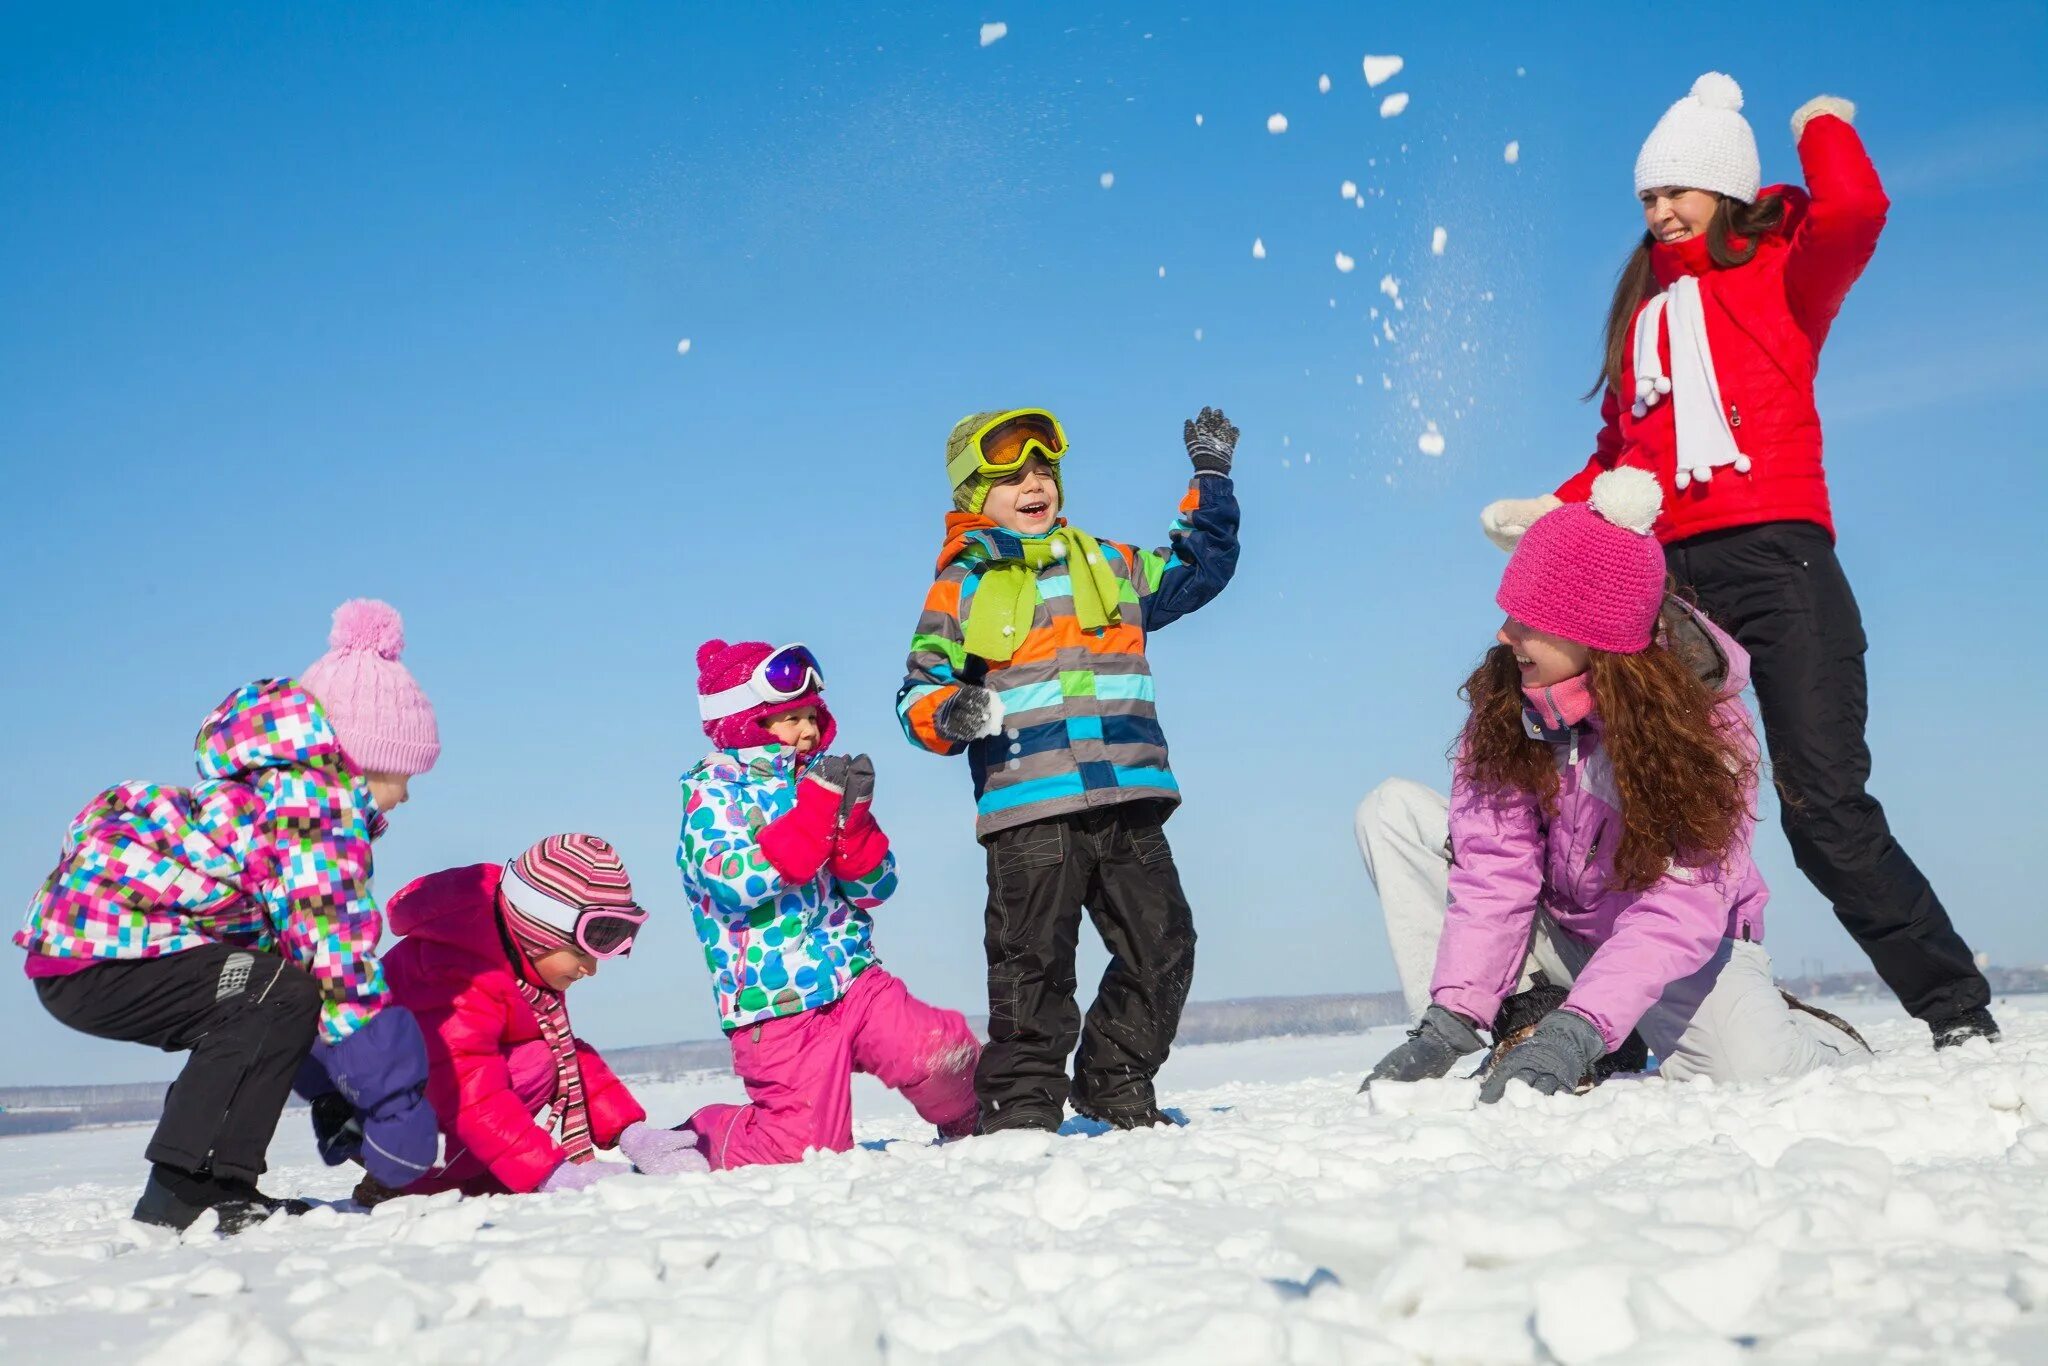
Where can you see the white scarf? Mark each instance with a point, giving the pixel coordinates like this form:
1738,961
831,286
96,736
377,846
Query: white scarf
1705,440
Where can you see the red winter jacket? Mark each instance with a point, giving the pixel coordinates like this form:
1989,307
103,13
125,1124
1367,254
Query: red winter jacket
1766,322
453,970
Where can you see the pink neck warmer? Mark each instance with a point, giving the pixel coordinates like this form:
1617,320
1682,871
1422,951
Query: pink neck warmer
1561,704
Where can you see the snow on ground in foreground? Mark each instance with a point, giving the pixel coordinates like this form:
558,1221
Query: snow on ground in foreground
1895,1211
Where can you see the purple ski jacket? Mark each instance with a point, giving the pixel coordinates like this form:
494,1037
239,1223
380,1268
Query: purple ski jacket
1510,859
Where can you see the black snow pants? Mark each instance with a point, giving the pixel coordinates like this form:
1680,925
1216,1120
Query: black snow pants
1779,590
1115,862
248,1019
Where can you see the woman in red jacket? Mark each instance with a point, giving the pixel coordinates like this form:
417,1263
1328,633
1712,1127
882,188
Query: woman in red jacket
1713,339
488,953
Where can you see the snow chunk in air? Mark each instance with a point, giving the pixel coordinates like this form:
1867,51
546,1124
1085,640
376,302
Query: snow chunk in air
1431,442
1512,153
1345,263
1436,242
1276,123
991,33
1258,248
1380,70
1393,104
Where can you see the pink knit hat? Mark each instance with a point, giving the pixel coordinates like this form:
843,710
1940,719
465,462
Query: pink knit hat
1592,572
555,883
384,721
721,666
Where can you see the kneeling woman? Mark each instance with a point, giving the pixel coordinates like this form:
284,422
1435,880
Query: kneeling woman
1602,805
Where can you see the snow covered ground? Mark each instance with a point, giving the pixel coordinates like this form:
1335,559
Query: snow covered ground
1896,1211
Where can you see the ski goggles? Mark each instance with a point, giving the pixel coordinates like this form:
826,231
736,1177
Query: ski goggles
1006,441
784,676
600,931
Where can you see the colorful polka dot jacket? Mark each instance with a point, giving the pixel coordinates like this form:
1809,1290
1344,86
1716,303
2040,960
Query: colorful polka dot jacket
269,851
774,948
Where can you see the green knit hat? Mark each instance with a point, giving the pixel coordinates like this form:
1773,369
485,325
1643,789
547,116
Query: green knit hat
972,492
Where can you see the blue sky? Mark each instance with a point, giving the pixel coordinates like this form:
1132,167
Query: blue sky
386,300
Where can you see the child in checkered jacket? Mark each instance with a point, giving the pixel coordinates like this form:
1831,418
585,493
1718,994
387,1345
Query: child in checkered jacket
234,920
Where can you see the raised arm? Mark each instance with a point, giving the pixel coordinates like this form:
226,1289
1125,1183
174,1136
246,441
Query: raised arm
1833,242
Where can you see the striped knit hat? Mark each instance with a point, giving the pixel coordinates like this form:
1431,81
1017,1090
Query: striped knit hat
546,887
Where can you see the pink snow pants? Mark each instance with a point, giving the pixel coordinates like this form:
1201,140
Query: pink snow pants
799,1074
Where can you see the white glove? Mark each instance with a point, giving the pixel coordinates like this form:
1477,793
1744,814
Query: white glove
1845,110
1505,519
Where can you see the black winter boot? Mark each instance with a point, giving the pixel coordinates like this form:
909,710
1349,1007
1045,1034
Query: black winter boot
1971,1024
1145,1116
173,1198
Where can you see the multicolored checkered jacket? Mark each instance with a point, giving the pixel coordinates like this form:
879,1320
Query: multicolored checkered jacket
773,948
1080,727
270,851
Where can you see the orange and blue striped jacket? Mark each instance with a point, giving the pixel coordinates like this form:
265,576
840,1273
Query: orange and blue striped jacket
1080,728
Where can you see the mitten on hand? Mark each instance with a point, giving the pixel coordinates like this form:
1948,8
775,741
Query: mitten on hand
662,1152
971,713
576,1176
1815,107
799,841
861,845
1432,1048
1557,1057
337,1133
1505,519
1211,441
381,1071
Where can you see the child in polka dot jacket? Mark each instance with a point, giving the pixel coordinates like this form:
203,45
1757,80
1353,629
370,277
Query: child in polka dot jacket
783,861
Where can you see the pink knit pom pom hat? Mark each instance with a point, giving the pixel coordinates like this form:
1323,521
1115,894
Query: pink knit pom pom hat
721,666
1592,572
384,721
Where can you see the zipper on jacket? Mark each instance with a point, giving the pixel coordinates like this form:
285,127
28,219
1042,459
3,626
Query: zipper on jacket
1734,416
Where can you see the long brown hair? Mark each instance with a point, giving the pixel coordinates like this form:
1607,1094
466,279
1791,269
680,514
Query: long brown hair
1683,779
1732,235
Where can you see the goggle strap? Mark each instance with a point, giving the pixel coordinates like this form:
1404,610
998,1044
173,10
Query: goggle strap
755,690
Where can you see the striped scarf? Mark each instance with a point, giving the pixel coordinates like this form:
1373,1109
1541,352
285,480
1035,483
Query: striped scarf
572,1115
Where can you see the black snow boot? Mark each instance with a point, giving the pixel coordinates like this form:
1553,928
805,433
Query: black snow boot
1521,1013
1971,1024
1147,1115
1020,1117
173,1198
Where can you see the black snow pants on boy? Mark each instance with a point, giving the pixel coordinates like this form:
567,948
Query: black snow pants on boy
248,1019
1779,590
1115,862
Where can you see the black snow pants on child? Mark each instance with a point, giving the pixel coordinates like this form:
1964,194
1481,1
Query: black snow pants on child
1779,590
248,1020
1115,862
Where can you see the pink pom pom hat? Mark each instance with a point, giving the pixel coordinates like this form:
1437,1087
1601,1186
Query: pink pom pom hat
383,720
1593,572
721,667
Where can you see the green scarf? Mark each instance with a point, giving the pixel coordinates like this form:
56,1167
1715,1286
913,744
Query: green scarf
1007,596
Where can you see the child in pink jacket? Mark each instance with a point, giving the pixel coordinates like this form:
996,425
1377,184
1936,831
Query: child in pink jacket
1601,811
783,861
487,957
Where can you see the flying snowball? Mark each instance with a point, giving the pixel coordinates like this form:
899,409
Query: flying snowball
1198,120
1345,263
1106,179
1348,190
1323,84
993,33
1198,334
683,347
1436,242
1276,123
1512,153
1258,248
1431,442
1393,105
1380,70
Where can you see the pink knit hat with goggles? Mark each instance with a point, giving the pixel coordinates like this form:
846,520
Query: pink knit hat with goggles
741,686
1592,572
570,892
383,720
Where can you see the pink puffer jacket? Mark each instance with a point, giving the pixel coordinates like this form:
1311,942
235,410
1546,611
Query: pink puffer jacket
1509,859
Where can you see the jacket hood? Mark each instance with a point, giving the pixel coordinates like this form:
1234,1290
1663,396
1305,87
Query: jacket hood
762,763
271,723
456,906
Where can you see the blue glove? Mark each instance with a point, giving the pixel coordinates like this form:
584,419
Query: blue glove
379,1073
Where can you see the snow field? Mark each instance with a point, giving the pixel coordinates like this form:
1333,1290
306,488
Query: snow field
1895,1211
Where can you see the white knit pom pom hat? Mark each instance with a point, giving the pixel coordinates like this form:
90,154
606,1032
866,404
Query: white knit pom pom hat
1703,143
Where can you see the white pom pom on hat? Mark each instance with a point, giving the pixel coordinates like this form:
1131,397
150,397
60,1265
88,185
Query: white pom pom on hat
1629,498
1703,143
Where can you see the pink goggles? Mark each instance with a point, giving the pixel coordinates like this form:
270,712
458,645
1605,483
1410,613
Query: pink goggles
600,931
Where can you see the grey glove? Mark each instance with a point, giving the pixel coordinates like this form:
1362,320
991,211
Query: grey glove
1556,1057
1211,441
831,770
860,783
1432,1048
971,713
